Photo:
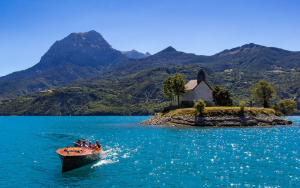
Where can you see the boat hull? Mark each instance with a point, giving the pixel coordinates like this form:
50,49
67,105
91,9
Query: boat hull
72,162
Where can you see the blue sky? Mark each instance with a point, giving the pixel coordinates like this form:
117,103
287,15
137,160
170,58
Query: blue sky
29,28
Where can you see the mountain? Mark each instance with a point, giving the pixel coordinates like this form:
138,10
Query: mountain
83,58
135,54
256,58
141,93
165,58
249,57
78,56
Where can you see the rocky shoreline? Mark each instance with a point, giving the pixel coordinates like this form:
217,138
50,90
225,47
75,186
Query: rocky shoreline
218,121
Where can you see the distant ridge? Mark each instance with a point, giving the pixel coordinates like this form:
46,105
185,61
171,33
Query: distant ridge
135,54
249,57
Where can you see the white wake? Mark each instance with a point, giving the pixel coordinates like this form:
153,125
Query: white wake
104,162
112,155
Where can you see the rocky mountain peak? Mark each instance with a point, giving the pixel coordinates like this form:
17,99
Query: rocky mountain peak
168,49
91,38
80,49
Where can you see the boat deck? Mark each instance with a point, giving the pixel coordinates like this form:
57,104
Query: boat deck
76,151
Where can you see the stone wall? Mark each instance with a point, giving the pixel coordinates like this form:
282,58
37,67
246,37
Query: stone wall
218,121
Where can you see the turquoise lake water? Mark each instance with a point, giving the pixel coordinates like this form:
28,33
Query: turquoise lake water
149,156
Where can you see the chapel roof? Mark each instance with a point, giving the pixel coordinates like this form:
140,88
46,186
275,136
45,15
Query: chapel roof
193,83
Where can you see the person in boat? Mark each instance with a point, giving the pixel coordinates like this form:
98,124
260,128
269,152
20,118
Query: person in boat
77,144
97,145
84,145
90,145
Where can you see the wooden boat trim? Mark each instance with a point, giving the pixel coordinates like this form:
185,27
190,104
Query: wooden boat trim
76,157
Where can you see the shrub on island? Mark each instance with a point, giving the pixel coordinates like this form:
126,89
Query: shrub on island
285,107
199,106
242,108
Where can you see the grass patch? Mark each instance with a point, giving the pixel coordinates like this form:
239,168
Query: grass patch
47,91
213,111
276,71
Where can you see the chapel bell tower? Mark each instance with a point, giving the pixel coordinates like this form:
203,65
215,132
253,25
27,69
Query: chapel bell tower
200,76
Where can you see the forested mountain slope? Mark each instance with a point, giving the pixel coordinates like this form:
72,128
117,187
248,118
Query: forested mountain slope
141,93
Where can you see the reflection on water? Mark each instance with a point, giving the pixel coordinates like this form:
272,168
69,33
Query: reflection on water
149,156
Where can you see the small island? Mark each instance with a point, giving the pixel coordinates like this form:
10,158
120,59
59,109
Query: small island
197,105
218,117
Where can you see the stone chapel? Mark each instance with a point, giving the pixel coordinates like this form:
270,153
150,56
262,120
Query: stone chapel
197,89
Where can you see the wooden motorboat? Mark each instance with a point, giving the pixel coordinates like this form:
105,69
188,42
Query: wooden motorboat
75,157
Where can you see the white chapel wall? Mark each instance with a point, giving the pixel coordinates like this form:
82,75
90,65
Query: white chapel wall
202,91
188,96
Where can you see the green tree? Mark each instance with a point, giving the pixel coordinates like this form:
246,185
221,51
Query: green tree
262,93
168,88
222,96
178,85
174,84
285,107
